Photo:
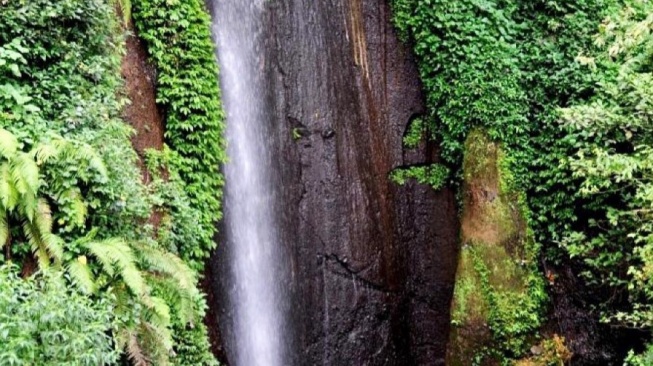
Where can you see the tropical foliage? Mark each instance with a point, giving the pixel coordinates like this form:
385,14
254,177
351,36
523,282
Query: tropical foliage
615,162
43,322
178,36
72,201
571,111
100,284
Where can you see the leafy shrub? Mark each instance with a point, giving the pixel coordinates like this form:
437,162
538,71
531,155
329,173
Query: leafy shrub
178,228
644,359
69,67
44,323
615,162
127,270
554,34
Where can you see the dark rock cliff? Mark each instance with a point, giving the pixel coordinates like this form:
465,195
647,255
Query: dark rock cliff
371,264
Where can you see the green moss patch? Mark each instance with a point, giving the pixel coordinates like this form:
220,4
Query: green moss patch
499,292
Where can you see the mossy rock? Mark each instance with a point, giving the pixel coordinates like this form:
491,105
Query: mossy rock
496,270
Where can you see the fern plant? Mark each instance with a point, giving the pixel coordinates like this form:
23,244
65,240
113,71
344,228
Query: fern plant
148,282
19,186
21,200
145,278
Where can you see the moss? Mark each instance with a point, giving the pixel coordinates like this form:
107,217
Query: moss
480,157
470,305
499,292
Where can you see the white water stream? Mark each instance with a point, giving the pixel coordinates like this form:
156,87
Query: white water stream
255,296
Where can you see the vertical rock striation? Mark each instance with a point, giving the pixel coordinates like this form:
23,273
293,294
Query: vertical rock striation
371,264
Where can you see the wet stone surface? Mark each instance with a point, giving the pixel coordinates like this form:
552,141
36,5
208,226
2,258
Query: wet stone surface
370,264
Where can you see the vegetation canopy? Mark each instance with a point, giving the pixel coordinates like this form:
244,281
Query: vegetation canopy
73,206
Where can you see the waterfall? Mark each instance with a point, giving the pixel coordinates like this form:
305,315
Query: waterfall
255,292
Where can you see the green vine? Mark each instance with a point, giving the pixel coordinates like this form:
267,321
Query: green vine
435,175
178,37
469,67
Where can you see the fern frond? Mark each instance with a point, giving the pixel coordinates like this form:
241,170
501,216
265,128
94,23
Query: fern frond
183,302
44,152
80,211
185,307
124,300
36,243
179,279
43,227
54,245
8,192
159,340
135,352
186,310
25,179
160,311
43,258
94,159
121,337
28,205
115,253
43,217
25,174
46,245
103,255
8,144
133,279
89,237
168,264
81,275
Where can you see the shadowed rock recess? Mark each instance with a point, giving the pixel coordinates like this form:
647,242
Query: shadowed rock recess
371,264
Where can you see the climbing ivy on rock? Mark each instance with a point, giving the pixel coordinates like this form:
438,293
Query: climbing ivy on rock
469,66
506,67
178,38
179,42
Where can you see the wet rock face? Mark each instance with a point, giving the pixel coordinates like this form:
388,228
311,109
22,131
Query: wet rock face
371,264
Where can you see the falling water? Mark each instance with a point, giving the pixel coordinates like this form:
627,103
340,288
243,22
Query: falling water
255,295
